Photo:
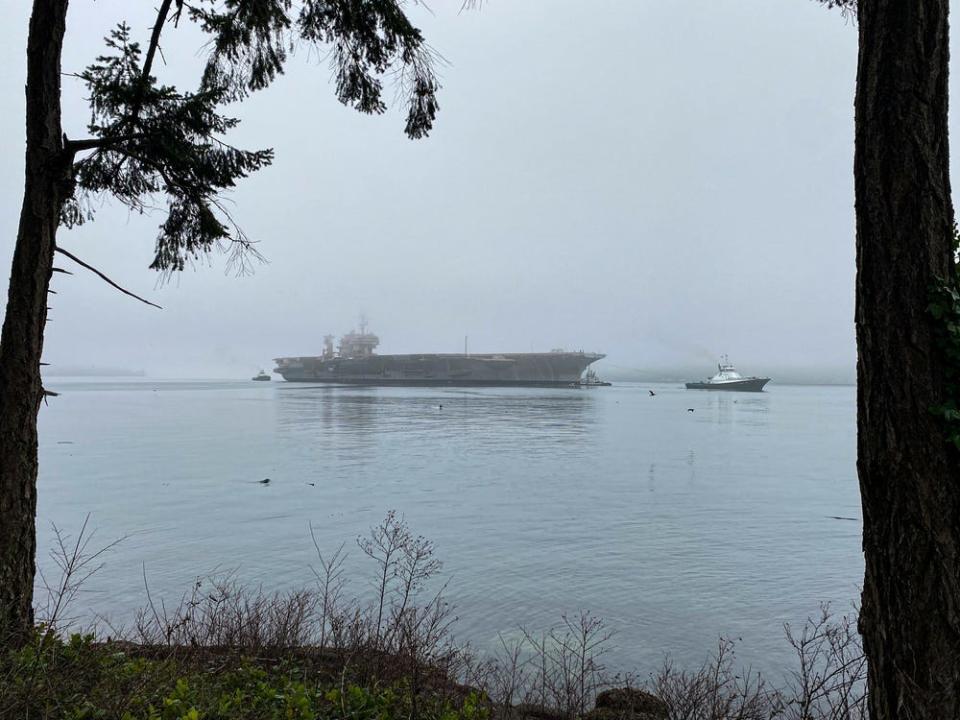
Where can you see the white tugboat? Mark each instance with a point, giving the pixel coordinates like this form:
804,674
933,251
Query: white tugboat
727,378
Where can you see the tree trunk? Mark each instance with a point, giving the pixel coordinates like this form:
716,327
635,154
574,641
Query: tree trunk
21,344
909,476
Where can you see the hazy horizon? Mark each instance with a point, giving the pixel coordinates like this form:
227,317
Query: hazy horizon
781,375
661,184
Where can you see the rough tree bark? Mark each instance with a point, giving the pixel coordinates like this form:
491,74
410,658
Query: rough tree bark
909,479
21,343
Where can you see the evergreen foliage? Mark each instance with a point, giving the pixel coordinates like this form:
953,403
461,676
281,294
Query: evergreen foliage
150,140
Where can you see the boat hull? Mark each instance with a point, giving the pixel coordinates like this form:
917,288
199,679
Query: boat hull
745,385
503,370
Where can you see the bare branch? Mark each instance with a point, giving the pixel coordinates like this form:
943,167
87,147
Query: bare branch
154,42
103,277
75,146
77,564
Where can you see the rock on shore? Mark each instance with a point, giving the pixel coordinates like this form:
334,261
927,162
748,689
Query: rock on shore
628,704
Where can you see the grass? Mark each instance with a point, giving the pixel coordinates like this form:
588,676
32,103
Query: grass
78,678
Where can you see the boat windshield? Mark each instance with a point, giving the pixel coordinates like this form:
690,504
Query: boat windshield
726,373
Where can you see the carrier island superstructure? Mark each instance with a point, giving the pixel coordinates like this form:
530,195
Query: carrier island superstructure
355,362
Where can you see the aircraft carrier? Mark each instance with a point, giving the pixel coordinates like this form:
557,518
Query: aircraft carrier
356,363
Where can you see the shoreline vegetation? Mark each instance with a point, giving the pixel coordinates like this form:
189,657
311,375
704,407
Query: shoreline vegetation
227,650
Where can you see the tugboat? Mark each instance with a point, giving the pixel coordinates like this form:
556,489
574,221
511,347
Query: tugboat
727,378
261,377
591,379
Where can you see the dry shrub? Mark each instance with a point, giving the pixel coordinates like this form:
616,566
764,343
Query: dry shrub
828,681
402,633
77,562
717,690
552,673
830,678
220,612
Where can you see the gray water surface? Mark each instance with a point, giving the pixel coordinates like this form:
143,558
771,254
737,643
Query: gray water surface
674,526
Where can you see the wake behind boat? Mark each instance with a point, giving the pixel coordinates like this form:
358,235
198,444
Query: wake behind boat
727,378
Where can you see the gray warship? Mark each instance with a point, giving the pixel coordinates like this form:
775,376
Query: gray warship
355,363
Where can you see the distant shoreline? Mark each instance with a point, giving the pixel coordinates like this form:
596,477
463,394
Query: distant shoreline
92,372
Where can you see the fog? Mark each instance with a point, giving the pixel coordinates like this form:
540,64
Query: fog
662,182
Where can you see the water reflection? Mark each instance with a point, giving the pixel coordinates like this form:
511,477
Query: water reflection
353,425
732,408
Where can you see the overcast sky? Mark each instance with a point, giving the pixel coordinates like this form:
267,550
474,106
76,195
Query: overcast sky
660,181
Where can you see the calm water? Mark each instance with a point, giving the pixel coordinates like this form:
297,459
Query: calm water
674,526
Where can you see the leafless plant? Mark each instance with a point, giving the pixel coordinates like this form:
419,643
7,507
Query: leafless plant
829,682
564,669
508,676
77,562
384,546
220,612
330,579
405,563
717,690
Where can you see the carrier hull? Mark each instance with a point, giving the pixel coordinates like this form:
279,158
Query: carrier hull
554,369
